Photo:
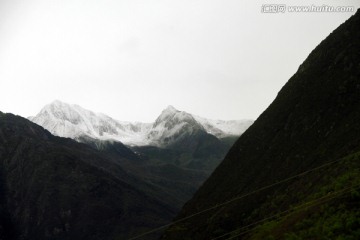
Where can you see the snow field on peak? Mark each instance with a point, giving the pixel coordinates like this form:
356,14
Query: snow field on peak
73,121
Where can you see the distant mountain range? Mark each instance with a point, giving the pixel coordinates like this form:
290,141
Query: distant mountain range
73,121
161,163
293,174
55,188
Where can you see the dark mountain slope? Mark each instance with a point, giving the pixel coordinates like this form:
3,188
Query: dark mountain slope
315,119
56,188
175,173
193,152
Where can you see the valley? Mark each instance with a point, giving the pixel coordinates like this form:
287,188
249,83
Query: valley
174,157
71,173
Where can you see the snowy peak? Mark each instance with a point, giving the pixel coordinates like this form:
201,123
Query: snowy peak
62,111
171,116
170,108
167,113
172,125
70,120
219,128
73,121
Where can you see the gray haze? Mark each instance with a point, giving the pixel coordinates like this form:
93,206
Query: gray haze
129,59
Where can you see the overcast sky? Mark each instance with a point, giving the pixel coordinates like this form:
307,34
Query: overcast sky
220,59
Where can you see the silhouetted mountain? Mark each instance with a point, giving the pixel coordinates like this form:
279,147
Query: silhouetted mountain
56,188
314,123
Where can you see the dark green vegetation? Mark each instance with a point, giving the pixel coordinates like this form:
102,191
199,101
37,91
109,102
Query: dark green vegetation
56,188
314,120
330,210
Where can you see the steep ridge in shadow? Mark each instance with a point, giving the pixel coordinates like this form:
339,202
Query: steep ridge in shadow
314,120
56,188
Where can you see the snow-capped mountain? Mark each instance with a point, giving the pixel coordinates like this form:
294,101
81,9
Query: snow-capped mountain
173,125
73,121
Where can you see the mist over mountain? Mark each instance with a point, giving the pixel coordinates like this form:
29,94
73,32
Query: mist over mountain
294,174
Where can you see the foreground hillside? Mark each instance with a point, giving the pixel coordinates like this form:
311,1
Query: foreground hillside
313,124
56,188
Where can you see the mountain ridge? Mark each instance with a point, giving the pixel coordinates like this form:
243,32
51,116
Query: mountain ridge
71,120
57,188
175,142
